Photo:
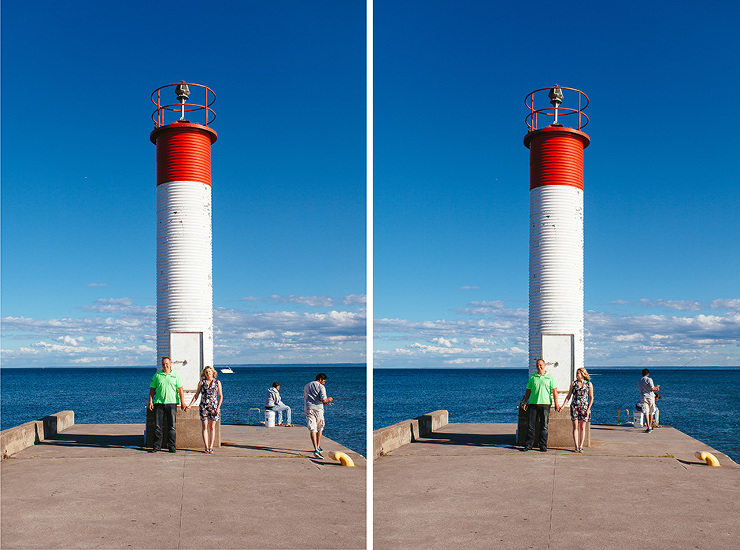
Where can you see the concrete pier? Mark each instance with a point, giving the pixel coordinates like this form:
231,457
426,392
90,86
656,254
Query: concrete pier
468,485
95,486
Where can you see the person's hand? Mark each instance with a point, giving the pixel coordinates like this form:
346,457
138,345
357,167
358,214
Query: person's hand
150,406
184,407
524,407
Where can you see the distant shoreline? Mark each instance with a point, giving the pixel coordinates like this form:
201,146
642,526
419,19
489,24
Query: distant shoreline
652,368
218,366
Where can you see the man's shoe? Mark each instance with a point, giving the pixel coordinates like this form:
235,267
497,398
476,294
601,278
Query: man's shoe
154,449
526,448
317,454
320,449
543,449
173,450
648,430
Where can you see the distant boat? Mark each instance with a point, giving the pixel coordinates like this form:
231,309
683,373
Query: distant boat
227,370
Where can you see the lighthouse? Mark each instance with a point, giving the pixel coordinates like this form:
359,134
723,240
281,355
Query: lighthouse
183,138
556,230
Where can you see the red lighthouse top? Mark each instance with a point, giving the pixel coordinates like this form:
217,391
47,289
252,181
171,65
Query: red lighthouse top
165,116
555,150
183,145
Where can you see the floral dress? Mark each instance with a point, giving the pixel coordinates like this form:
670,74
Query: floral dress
209,400
579,405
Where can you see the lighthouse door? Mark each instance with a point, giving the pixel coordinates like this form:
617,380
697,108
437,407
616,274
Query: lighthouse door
557,351
186,354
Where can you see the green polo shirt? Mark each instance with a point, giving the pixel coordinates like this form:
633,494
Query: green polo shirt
541,388
166,386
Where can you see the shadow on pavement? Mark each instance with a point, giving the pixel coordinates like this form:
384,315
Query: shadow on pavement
276,450
94,440
474,440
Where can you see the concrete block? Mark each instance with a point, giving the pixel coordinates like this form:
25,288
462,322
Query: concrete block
21,437
189,429
559,429
65,419
432,422
392,437
14,440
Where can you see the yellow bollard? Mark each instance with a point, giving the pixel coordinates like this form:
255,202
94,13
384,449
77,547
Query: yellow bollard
709,458
341,457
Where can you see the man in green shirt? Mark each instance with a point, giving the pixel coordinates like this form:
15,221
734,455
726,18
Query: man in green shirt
537,401
165,392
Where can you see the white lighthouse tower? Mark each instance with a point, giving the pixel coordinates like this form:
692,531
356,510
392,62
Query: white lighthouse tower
184,239
556,230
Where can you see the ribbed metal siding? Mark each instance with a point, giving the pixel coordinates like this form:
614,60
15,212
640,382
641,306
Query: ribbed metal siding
556,159
184,264
183,155
556,267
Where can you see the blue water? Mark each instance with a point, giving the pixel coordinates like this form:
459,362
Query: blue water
118,396
702,403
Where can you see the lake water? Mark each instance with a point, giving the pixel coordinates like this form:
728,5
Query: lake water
118,396
701,402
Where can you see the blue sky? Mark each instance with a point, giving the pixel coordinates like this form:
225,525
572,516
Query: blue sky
78,177
662,267
450,186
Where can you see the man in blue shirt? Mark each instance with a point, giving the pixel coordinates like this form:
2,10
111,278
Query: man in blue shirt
537,401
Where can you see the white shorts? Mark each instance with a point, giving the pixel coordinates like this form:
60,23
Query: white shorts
648,406
315,420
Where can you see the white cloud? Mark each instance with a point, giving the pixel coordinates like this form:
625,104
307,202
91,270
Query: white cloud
97,284
444,342
483,308
728,304
313,301
681,305
71,341
259,335
464,361
443,349
491,334
354,299
108,340
117,331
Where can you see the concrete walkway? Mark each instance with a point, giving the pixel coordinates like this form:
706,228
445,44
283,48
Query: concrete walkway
94,487
467,486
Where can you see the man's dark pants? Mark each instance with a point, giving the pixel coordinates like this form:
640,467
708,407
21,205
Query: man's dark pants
540,413
164,414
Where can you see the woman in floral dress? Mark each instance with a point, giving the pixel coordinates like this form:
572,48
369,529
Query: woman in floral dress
211,397
580,409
